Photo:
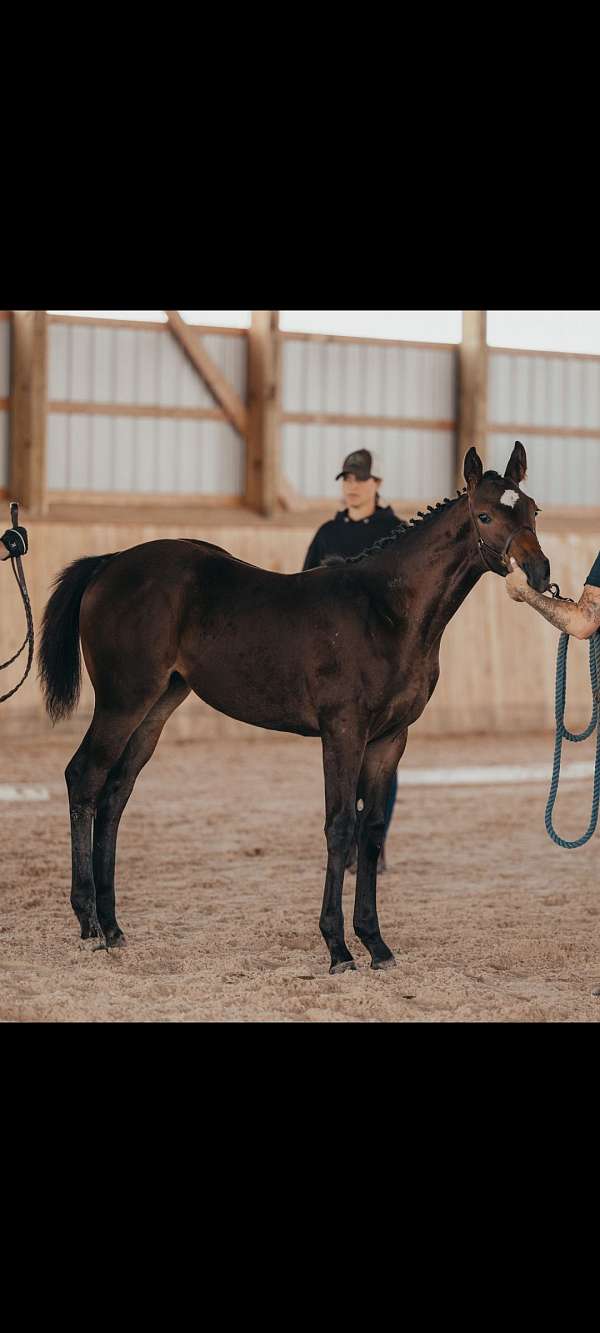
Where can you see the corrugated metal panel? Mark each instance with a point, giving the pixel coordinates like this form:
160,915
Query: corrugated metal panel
548,391
4,463
415,463
366,380
4,393
544,390
143,454
362,379
90,363
4,358
96,364
561,470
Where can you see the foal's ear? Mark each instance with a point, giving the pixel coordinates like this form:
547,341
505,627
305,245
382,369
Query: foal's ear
517,464
473,470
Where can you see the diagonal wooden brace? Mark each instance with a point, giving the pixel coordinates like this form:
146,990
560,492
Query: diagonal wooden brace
214,379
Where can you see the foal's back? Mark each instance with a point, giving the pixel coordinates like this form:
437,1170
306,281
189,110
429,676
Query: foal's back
269,649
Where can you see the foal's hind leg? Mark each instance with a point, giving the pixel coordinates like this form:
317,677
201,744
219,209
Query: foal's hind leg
380,762
114,797
85,776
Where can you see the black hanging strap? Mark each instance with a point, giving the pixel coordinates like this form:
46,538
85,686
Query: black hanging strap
15,540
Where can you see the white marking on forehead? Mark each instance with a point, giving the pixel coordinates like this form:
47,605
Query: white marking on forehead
509,498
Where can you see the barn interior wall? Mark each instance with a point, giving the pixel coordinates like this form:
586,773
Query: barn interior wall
497,658
4,397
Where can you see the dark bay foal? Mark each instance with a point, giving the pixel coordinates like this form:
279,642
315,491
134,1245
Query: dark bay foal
348,652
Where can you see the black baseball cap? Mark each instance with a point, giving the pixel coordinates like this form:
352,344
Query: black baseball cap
360,463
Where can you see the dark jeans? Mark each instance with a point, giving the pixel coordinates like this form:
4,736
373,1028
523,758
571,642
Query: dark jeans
391,803
389,810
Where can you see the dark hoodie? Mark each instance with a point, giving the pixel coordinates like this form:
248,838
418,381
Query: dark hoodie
343,536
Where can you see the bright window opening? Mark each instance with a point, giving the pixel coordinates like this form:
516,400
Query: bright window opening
545,330
441,326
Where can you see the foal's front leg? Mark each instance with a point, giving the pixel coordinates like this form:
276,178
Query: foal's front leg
380,762
342,757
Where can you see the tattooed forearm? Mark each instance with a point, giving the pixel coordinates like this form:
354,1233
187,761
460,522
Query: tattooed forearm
589,609
563,615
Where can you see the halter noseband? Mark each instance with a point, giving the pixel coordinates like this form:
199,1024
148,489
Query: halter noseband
500,556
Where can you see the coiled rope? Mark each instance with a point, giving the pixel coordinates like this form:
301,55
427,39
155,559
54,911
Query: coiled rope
563,734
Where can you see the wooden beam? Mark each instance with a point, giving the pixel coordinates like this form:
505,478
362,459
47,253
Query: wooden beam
544,355
514,431
264,412
29,409
355,340
215,381
472,404
146,325
144,499
378,423
71,407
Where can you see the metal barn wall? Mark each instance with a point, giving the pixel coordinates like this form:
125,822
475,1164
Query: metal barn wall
413,388
4,395
88,450
561,393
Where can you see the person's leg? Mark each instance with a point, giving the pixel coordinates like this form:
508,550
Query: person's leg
389,810
380,762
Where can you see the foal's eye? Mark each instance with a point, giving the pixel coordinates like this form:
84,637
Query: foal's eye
484,518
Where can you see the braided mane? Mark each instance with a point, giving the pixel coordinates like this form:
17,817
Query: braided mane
397,532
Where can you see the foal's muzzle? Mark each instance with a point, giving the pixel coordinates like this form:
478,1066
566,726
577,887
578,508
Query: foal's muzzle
538,573
529,556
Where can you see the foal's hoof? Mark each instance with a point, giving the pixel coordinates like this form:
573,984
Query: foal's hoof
337,968
384,965
116,940
91,943
596,991
92,936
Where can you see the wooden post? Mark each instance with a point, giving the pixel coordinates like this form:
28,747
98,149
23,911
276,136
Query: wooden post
264,412
29,409
472,410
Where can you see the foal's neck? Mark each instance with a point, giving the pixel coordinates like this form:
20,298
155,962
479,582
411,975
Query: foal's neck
432,568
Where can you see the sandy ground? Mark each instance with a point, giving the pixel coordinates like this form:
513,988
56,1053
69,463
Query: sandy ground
220,875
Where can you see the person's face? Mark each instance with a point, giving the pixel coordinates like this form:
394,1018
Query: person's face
359,493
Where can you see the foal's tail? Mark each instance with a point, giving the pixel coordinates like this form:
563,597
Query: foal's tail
59,658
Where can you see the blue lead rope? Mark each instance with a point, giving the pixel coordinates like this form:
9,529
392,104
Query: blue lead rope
563,734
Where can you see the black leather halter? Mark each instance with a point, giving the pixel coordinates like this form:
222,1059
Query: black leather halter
500,556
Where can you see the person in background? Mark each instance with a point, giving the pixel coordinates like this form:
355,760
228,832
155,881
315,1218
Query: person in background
356,527
362,521
13,542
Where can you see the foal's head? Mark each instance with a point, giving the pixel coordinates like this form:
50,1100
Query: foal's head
504,518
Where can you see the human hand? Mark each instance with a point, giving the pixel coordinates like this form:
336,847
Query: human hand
516,582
